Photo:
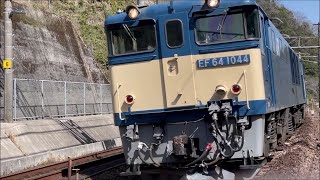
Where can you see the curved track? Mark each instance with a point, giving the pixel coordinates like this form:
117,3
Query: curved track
65,169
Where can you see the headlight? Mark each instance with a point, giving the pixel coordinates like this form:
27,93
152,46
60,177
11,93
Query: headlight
221,89
213,3
133,12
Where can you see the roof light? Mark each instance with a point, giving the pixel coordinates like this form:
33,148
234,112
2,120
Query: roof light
213,3
132,11
129,99
236,89
119,11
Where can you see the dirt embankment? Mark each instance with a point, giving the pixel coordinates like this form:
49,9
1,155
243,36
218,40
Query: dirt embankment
300,157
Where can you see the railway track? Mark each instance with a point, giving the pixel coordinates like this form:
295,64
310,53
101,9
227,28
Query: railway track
111,167
68,169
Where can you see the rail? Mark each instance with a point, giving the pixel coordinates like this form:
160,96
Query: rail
63,169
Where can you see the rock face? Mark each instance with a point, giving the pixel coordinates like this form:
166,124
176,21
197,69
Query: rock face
47,47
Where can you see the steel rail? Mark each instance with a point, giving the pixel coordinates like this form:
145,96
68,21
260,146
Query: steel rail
108,166
58,170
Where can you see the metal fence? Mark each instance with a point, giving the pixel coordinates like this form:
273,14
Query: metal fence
35,99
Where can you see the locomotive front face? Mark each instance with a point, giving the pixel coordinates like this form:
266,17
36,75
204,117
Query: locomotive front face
182,86
186,67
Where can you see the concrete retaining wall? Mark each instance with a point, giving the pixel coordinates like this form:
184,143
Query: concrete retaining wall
31,143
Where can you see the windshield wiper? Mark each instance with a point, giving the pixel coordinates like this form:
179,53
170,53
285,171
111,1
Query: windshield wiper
221,24
129,32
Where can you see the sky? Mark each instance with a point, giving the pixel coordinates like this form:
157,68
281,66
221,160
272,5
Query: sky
309,8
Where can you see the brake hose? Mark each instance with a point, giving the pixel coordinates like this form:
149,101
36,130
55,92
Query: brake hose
227,124
220,149
214,161
151,157
203,155
242,141
223,139
140,156
140,146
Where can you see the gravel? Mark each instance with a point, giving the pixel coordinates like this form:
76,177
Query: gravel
112,174
300,157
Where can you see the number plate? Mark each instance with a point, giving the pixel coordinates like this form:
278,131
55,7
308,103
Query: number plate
6,64
223,61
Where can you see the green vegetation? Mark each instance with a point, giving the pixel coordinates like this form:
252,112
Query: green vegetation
294,24
28,20
88,18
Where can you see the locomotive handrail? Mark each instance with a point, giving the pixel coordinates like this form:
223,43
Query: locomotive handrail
118,92
245,84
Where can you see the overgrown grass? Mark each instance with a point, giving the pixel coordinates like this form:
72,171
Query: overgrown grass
88,18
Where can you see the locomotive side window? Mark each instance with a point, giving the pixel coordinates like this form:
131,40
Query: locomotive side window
252,24
273,40
295,71
174,33
262,34
278,46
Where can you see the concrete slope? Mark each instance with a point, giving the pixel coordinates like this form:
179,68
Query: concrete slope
31,143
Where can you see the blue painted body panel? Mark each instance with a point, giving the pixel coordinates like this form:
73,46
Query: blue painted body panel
184,114
285,93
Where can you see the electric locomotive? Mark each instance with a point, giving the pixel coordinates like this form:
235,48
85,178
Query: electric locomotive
202,81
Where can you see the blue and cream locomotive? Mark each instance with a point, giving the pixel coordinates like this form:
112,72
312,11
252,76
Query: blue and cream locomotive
202,81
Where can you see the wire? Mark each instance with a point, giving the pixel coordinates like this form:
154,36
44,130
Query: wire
187,122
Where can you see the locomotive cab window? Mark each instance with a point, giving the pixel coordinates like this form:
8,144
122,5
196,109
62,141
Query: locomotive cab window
252,22
232,25
130,39
174,33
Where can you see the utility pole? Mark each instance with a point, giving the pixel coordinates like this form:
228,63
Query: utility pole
318,59
7,62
